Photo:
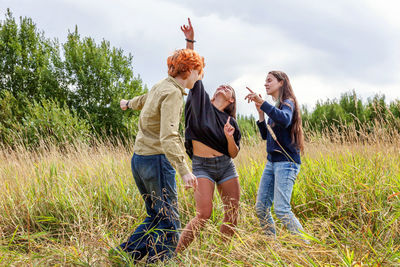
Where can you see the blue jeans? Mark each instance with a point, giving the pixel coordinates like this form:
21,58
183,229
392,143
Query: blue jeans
157,236
276,186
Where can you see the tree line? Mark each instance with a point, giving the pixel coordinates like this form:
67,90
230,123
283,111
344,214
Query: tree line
350,112
69,92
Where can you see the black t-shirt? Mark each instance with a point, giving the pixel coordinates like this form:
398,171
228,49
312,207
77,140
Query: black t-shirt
205,123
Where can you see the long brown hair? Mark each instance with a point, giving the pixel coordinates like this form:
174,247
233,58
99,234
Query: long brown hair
286,92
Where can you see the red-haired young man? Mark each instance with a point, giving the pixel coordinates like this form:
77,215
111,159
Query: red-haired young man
158,147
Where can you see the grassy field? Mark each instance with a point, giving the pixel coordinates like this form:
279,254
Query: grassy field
70,207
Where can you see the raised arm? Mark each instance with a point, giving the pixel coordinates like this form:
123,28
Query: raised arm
189,35
283,116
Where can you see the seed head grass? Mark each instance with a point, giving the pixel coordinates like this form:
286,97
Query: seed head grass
69,207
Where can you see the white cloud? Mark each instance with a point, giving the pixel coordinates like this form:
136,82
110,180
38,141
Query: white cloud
387,10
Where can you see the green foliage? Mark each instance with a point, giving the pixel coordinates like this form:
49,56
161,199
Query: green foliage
394,108
248,126
9,116
86,79
43,122
376,108
100,76
349,111
30,62
49,122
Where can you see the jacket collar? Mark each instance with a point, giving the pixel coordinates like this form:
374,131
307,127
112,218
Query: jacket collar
175,82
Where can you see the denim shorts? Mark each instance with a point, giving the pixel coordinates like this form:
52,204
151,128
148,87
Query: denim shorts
218,169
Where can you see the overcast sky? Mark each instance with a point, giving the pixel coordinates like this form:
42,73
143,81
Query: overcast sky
326,47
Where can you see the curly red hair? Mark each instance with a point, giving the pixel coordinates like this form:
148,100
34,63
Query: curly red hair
183,61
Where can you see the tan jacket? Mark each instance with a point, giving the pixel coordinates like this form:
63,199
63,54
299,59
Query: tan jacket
161,111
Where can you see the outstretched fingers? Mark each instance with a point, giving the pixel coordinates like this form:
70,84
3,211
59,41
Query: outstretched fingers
249,97
228,128
186,28
250,90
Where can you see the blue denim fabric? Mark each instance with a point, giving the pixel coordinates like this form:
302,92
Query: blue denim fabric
276,186
217,169
157,236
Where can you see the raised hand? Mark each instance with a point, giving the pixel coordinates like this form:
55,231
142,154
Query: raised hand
258,105
229,130
188,30
254,97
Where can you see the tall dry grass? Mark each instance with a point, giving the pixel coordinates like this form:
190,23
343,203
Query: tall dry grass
69,207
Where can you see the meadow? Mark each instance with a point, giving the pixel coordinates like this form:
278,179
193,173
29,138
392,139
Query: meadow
69,207
67,198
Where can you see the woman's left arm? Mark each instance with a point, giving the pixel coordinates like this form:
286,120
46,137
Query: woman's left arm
229,130
233,149
283,116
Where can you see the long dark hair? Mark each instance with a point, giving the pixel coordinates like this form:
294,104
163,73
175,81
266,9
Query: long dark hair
286,92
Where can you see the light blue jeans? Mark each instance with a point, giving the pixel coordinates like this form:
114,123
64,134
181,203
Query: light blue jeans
276,187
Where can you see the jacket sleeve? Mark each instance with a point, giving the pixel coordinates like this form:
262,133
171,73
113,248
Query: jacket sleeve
171,141
198,98
137,102
262,127
282,117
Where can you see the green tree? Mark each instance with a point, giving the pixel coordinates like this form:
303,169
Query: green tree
99,76
394,108
376,108
89,78
30,64
349,110
352,107
49,122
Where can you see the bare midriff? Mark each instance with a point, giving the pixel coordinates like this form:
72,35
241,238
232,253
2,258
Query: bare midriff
201,150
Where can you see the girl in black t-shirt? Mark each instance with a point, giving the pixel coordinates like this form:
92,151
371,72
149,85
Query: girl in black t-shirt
212,139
